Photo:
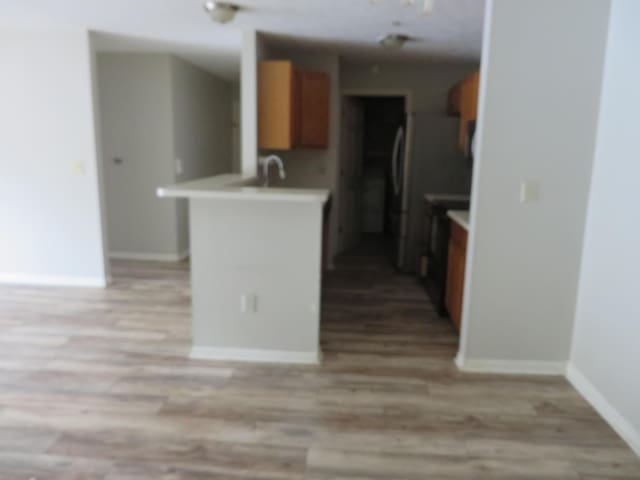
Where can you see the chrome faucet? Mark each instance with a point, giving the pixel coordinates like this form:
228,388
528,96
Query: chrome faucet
266,163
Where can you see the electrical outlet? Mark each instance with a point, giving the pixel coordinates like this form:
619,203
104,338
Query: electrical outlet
179,166
529,191
248,303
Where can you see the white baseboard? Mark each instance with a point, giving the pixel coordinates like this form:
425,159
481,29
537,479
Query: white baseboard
52,280
154,257
598,401
511,367
459,361
258,356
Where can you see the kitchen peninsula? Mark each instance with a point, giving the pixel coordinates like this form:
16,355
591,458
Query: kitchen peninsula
256,267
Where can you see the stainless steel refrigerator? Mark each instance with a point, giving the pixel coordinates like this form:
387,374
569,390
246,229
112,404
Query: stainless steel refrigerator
426,159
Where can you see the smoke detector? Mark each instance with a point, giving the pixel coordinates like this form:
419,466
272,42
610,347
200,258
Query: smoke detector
221,12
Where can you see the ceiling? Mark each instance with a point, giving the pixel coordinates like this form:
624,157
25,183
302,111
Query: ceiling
452,32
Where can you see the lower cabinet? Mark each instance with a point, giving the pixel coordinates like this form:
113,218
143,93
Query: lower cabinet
455,273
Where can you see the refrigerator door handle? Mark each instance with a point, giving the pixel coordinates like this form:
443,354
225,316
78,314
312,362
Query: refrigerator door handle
395,170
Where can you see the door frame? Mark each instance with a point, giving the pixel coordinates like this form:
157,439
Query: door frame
407,95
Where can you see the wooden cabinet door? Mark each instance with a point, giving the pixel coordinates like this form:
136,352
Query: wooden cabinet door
452,292
468,106
312,92
455,274
276,105
454,100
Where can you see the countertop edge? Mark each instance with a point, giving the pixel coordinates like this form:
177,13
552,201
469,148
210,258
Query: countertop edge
238,187
461,217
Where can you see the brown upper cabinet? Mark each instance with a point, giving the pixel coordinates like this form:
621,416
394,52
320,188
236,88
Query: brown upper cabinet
453,102
276,105
293,107
463,101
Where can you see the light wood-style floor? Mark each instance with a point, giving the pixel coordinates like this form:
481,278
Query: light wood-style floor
97,385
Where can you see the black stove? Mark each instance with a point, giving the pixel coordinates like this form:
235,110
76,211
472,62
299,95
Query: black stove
436,244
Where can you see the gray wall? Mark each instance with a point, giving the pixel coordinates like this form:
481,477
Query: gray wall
524,259
157,110
50,205
202,138
605,354
438,166
429,83
252,46
137,126
236,146
280,265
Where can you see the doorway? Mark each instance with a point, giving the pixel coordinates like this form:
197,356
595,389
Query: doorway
373,160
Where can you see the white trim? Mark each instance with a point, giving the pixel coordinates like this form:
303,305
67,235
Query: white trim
252,355
52,280
511,367
459,361
598,401
154,257
475,184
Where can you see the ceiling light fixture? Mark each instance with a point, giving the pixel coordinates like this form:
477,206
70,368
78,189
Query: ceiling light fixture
221,12
394,41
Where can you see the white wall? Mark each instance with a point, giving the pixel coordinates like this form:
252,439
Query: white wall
538,116
137,126
202,134
606,356
49,188
236,142
156,110
429,83
251,52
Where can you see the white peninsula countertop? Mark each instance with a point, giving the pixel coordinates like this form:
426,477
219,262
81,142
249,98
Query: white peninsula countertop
461,217
238,187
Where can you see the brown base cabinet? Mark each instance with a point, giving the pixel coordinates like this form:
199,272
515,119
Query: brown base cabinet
455,273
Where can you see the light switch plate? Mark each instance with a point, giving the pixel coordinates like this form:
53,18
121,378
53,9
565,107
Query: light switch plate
179,166
78,168
248,303
529,191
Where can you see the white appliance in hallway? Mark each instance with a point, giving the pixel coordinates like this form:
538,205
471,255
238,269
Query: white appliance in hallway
426,158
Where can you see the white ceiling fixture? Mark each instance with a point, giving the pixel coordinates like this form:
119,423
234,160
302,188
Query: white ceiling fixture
221,12
394,41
